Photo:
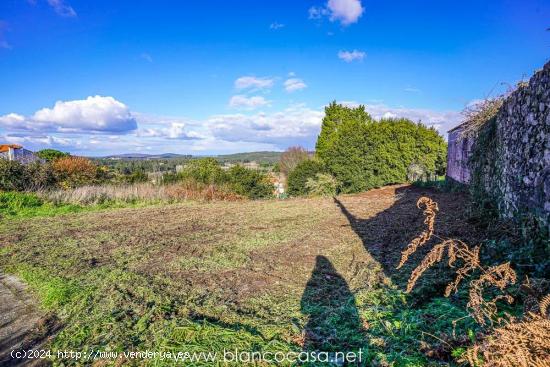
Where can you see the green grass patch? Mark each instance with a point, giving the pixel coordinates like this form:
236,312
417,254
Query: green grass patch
21,204
53,291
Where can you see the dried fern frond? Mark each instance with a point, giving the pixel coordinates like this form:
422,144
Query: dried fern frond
499,276
544,304
434,256
515,343
470,264
429,212
522,343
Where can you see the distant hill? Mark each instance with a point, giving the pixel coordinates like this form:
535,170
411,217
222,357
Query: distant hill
139,156
260,157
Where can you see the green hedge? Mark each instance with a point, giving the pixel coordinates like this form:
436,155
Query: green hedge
297,179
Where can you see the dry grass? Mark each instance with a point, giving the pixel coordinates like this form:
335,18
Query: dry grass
86,195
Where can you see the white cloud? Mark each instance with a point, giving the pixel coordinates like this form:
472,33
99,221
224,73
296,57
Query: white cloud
62,9
145,56
162,127
247,102
344,11
294,84
350,56
175,130
412,90
13,121
94,114
40,141
294,125
276,25
317,12
245,82
3,43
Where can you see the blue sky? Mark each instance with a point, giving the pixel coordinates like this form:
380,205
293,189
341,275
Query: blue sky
208,77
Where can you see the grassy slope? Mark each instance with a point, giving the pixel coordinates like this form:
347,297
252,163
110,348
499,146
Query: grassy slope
264,275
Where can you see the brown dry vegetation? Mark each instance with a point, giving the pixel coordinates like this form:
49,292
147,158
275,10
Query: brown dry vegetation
516,342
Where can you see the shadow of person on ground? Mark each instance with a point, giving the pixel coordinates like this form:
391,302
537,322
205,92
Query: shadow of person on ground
334,324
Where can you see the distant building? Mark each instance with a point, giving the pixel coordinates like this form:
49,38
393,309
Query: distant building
227,165
251,165
15,152
278,181
155,177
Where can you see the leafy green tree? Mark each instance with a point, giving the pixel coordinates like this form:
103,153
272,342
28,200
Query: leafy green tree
51,154
248,182
204,170
305,170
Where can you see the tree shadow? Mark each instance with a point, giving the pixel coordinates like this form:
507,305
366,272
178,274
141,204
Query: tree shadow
388,232
334,324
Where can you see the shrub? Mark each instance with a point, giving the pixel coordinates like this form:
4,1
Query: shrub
15,176
51,154
12,175
204,170
322,185
249,183
75,171
298,177
136,177
291,158
39,176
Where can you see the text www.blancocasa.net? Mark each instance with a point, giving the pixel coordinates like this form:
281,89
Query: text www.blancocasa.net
226,356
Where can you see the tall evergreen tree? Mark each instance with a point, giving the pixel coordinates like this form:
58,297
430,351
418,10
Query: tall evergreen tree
363,154
335,115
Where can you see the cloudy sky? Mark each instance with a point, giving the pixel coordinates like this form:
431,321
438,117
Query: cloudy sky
208,77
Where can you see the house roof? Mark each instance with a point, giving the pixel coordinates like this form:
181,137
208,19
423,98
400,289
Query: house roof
6,147
461,126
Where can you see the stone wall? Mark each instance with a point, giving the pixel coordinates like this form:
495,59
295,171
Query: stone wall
512,153
523,150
